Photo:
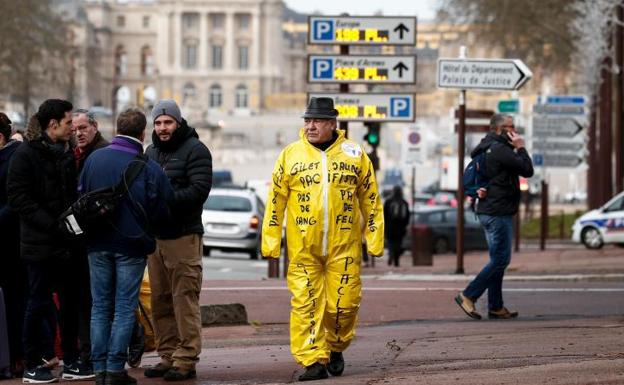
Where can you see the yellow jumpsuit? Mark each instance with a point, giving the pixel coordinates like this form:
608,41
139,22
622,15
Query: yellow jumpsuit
324,194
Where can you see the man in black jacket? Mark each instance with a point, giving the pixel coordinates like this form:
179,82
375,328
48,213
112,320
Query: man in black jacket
88,138
41,185
396,219
176,267
505,159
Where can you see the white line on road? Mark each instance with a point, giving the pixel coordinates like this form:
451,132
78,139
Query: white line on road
463,278
519,290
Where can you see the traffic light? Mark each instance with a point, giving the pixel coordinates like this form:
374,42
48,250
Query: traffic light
372,136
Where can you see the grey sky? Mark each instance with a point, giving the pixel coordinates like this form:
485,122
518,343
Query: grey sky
423,9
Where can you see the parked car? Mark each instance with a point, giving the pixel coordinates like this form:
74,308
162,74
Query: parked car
232,220
443,198
443,223
602,225
221,177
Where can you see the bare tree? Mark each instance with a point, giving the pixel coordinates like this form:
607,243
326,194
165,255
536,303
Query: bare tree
537,31
33,50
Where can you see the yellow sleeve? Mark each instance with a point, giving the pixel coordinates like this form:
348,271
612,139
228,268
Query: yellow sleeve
372,209
274,212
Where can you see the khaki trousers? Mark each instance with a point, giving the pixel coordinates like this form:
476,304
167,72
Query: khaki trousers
175,271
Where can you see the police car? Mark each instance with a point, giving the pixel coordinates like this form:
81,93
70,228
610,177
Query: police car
603,225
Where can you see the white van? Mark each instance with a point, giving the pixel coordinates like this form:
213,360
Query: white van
600,226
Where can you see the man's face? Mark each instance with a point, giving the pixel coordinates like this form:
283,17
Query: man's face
318,130
84,132
506,127
165,125
60,130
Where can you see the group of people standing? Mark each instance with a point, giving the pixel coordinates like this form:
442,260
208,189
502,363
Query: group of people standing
96,276
323,187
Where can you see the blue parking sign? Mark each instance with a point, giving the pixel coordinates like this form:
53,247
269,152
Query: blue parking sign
322,69
323,30
400,107
538,160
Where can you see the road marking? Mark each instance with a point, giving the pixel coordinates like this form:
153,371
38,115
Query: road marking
225,270
464,277
518,290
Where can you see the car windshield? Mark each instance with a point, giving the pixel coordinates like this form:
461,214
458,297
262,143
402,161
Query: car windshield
227,203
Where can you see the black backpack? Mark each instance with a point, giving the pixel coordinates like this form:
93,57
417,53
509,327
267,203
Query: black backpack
97,207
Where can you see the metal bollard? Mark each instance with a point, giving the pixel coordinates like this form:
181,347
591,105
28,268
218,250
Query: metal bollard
273,267
422,245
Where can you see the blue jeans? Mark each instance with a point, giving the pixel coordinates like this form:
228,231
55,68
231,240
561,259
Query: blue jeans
115,283
498,233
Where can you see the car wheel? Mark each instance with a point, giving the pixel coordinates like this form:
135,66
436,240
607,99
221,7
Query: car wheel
440,246
591,238
206,251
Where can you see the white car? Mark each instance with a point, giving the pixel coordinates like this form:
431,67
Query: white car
232,219
600,226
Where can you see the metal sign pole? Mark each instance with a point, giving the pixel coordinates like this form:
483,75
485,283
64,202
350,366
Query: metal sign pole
461,138
344,88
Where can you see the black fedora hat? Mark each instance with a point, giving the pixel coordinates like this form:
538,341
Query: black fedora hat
320,108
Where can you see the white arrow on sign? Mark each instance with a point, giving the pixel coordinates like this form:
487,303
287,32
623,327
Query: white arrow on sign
545,127
483,74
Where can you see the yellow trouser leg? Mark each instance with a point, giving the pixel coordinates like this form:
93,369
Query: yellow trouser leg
344,294
307,337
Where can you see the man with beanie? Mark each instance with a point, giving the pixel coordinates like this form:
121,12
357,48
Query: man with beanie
175,267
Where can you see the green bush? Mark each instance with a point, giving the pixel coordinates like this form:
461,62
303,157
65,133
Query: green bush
531,228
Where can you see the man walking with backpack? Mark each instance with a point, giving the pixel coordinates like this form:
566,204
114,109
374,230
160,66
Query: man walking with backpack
119,246
396,219
505,160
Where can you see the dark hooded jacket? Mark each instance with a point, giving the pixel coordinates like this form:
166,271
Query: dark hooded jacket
188,165
9,221
41,185
504,165
396,215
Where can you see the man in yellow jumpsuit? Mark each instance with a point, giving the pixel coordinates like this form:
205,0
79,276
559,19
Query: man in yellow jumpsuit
325,182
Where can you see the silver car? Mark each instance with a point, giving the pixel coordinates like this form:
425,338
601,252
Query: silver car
232,219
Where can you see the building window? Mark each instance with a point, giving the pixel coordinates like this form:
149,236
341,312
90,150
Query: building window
217,57
147,61
121,21
190,20
217,20
216,96
188,92
241,96
189,59
243,22
243,57
121,61
146,21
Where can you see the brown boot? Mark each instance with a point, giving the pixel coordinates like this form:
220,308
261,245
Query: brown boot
502,313
467,305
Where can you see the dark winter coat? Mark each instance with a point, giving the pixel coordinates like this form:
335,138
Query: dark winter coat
504,165
41,186
396,217
142,210
188,165
9,221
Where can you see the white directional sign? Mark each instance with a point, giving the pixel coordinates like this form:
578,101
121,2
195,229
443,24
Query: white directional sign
560,109
482,74
560,160
549,126
361,69
558,146
373,107
384,30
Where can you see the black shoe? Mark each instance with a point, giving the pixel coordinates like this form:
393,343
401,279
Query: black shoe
157,371
38,375
336,364
179,374
100,378
77,371
314,372
137,345
119,378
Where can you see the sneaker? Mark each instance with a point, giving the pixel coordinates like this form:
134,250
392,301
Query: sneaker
77,370
467,305
336,364
179,374
51,363
38,375
316,371
119,378
502,313
157,371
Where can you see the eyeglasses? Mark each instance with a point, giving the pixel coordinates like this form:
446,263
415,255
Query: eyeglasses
508,126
